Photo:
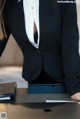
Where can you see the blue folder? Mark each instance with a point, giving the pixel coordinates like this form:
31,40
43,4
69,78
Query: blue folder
46,88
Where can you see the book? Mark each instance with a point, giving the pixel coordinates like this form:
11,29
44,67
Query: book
7,92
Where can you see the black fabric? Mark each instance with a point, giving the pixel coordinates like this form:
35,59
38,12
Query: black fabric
44,78
58,52
73,84
36,37
2,45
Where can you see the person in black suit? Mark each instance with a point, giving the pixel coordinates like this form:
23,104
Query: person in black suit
56,60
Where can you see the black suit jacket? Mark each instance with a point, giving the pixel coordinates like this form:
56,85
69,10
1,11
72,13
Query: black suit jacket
58,51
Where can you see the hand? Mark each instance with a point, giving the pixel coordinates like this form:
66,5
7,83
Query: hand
76,96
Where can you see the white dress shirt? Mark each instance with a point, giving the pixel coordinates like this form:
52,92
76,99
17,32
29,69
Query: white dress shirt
31,15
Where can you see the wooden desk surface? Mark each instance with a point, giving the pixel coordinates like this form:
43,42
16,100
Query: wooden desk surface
22,111
29,106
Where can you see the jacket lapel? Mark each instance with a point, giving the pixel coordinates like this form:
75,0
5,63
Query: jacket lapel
46,12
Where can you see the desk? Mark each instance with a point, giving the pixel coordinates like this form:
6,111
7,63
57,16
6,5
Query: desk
34,106
66,111
21,111
37,98
26,108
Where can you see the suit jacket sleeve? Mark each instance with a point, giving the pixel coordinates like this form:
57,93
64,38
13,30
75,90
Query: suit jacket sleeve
70,41
70,49
3,41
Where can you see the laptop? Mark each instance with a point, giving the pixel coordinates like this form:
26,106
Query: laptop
49,93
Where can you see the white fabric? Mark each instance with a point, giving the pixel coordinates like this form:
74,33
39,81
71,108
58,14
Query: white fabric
31,15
